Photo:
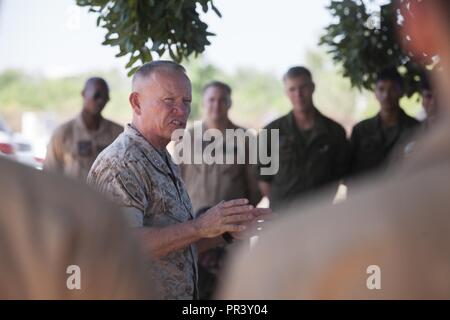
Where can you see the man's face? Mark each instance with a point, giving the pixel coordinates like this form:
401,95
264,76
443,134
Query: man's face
165,103
388,94
216,103
299,90
429,102
95,97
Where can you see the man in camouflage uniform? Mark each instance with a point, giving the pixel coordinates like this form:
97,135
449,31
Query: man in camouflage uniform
208,184
313,149
76,143
383,139
137,173
49,223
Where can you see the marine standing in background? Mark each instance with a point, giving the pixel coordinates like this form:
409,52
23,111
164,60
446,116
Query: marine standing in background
76,143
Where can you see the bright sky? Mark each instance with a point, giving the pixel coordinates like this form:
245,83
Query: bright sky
51,37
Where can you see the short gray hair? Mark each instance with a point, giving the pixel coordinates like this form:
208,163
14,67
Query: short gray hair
148,68
298,71
217,84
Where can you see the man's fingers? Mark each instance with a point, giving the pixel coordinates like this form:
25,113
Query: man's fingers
233,203
234,228
237,218
237,209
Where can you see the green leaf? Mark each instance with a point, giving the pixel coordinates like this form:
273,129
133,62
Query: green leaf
132,71
130,24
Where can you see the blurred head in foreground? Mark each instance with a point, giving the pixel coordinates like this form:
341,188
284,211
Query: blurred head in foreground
59,240
391,239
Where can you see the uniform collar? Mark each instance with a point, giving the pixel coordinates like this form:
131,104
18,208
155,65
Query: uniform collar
402,117
154,156
376,130
79,122
203,128
231,125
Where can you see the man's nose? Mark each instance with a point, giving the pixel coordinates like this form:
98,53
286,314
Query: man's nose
181,109
215,105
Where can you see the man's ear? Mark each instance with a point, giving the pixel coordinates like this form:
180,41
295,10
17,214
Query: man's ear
83,92
134,101
313,87
421,25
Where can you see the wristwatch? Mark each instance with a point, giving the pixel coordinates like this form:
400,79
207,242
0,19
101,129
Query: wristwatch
228,237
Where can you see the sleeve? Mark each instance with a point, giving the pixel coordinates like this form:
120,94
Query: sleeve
124,188
343,155
133,216
54,160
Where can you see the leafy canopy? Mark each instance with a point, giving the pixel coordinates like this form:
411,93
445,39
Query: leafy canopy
145,28
365,43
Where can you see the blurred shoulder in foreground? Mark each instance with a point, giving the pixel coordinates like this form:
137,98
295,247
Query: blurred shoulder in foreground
48,224
399,224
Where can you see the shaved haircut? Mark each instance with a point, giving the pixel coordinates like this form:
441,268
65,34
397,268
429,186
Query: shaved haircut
94,80
148,69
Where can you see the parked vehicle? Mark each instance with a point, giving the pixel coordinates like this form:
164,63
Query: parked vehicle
7,146
25,152
16,147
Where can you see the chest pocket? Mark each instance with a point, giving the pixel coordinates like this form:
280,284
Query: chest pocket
163,201
321,149
320,159
163,210
324,149
79,153
287,150
176,199
85,148
370,145
372,151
